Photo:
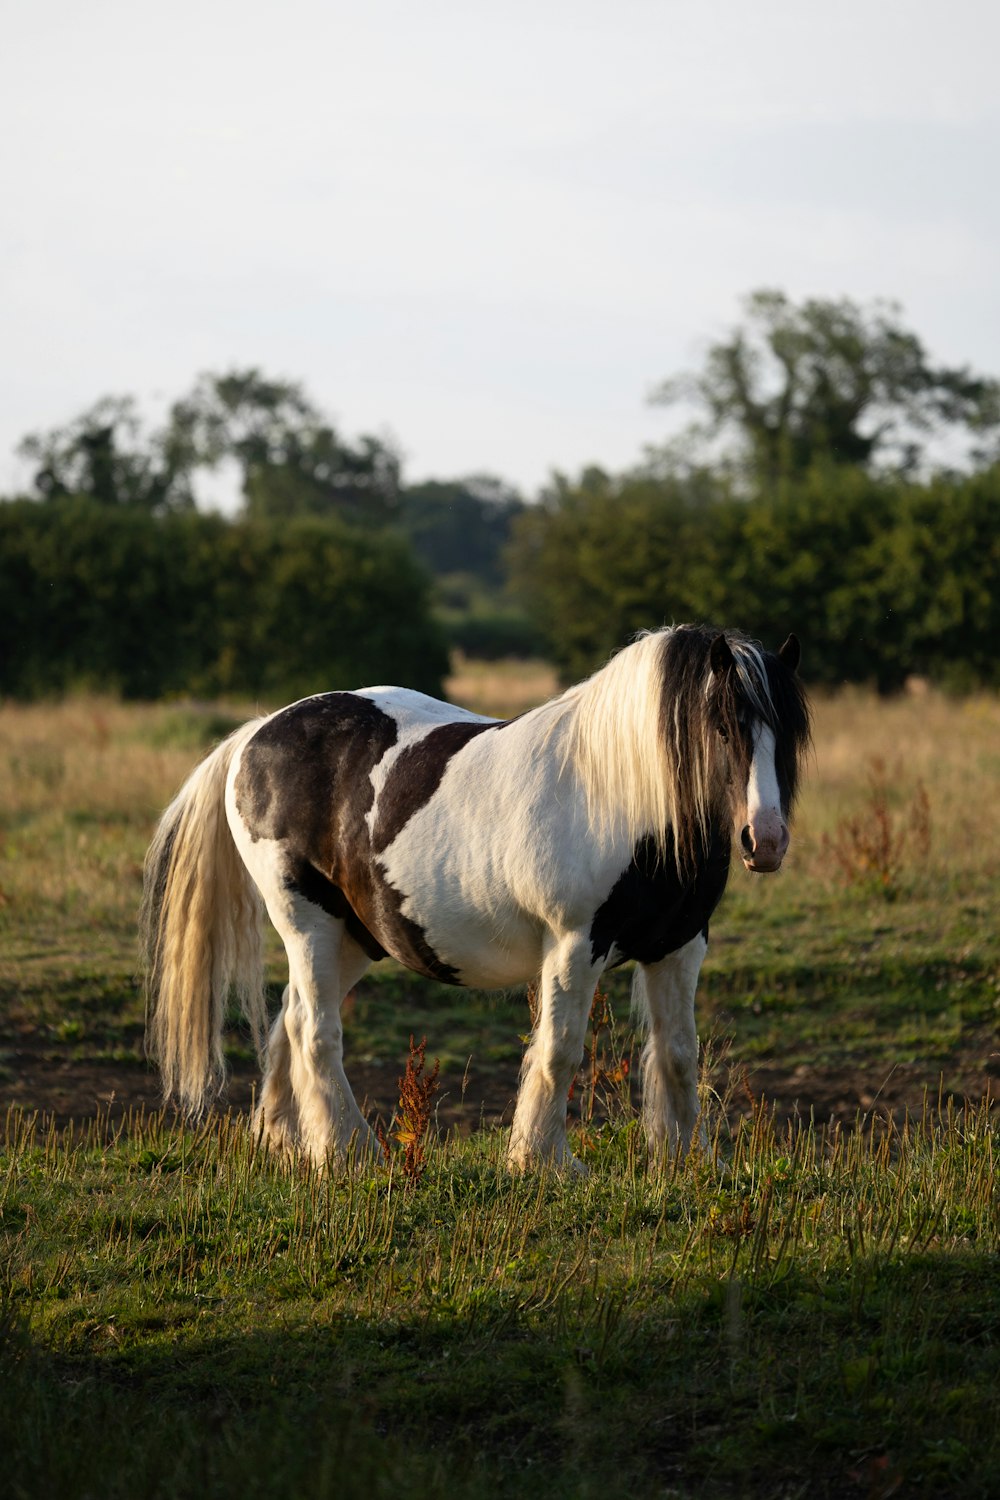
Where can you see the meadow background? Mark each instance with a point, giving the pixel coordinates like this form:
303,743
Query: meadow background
865,974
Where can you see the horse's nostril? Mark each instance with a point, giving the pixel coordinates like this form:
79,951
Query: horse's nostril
746,839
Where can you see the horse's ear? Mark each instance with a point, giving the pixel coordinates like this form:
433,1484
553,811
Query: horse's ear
721,656
791,653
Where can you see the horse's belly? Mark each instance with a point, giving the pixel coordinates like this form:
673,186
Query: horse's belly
483,870
470,920
489,953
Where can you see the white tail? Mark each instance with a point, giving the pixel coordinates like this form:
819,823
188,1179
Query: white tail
201,934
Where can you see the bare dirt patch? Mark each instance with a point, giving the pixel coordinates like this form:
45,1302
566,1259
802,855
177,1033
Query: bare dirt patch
66,1089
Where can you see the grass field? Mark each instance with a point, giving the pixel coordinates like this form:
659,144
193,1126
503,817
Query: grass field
808,1309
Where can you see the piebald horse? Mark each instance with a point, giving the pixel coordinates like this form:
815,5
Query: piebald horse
593,830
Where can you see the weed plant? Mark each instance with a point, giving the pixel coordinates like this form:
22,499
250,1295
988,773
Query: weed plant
874,848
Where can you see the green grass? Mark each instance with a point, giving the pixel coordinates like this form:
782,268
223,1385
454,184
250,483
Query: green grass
795,1313
808,973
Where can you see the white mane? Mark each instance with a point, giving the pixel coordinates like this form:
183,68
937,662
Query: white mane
612,743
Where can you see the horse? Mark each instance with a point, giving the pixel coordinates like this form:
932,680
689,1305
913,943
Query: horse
590,831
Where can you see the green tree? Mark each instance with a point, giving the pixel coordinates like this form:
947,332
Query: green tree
311,605
115,599
461,525
597,560
827,380
105,455
111,598
882,578
292,462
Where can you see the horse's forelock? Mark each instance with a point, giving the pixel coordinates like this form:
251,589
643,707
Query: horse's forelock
791,722
751,675
689,735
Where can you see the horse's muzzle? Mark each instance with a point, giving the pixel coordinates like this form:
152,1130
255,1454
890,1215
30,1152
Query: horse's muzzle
764,848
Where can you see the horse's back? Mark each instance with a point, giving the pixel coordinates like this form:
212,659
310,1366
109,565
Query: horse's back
413,711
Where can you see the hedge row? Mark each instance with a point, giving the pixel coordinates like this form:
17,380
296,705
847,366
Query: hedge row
881,579
112,599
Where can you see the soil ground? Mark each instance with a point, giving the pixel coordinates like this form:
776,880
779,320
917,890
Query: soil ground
66,1089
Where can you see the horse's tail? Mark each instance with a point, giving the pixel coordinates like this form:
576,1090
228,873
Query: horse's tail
201,934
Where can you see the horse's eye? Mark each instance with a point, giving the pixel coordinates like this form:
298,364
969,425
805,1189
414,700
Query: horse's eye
724,735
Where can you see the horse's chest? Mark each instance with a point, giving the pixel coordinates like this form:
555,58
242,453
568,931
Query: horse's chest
650,911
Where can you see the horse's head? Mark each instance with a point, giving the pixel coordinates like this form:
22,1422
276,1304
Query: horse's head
759,712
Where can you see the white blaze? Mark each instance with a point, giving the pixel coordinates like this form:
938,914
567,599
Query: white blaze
768,833
763,792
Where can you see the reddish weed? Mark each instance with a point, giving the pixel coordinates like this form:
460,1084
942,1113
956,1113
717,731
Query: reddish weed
416,1096
874,847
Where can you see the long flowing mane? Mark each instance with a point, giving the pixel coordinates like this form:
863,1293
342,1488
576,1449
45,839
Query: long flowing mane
642,735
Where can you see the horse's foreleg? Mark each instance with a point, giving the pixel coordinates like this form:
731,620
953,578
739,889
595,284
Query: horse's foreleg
666,991
567,984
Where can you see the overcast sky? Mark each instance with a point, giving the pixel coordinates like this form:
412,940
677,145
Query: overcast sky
487,231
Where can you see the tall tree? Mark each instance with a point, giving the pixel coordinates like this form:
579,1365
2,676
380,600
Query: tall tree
461,525
829,381
105,455
292,461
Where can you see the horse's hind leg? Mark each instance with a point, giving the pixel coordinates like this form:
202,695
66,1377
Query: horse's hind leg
305,1088
277,1114
566,991
666,991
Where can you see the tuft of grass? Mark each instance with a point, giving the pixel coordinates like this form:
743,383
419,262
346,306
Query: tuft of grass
606,1074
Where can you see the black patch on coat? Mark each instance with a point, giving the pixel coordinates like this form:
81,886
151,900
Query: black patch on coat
305,779
651,911
416,775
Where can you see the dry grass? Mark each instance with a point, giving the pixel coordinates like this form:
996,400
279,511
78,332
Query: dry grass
500,689
416,1099
85,752
82,782
81,786
874,847
926,743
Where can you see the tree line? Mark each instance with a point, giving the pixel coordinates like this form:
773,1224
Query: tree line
832,480
116,600
881,578
331,574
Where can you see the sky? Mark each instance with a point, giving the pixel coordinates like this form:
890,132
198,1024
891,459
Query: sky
485,232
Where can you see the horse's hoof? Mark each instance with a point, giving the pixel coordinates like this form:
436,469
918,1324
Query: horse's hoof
365,1150
533,1161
